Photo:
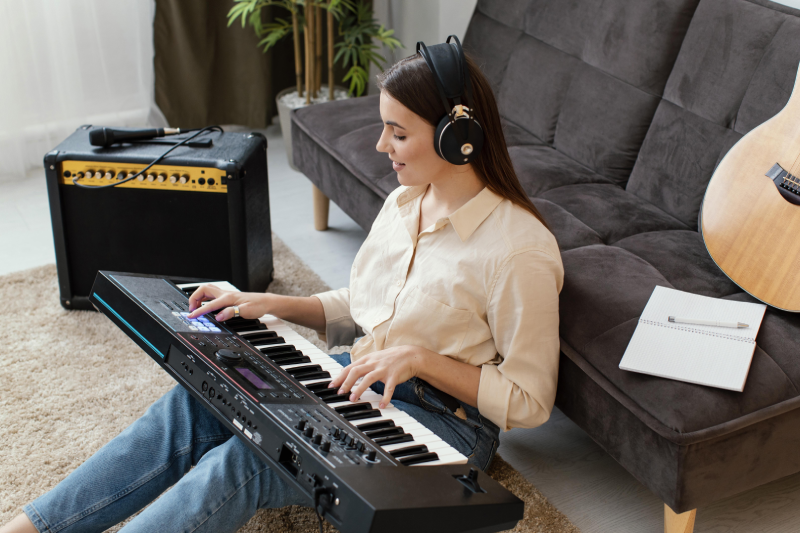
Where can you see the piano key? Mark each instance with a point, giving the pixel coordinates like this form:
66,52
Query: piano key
409,450
322,385
445,461
420,458
277,350
368,426
314,381
324,374
258,337
290,360
385,432
393,439
357,415
352,407
335,398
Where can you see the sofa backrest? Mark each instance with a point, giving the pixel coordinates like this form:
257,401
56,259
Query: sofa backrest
735,70
585,77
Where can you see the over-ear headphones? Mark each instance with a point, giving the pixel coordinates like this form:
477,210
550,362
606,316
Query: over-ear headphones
459,136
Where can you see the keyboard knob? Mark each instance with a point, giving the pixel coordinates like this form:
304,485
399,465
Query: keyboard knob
301,425
309,431
371,455
326,446
228,356
343,436
360,446
317,439
336,433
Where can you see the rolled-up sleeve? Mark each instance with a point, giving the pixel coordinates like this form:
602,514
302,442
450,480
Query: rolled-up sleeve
340,328
522,313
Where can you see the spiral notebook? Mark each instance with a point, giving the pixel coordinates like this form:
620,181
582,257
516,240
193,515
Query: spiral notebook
707,355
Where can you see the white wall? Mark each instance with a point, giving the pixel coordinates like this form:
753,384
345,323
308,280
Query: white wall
791,3
429,21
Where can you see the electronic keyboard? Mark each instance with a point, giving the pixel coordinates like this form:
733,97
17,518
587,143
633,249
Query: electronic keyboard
364,469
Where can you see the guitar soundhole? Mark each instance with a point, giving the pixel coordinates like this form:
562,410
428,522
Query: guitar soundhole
788,185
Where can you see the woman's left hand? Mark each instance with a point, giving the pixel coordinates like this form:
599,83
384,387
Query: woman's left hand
392,366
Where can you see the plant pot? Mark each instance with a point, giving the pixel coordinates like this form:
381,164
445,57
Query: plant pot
285,112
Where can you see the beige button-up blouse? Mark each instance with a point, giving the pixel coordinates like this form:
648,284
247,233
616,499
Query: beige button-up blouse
480,286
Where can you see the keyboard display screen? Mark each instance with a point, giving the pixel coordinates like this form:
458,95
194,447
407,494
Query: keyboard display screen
253,378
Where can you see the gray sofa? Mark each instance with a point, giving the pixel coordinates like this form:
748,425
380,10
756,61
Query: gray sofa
616,114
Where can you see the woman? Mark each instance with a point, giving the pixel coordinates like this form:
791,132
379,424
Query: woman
455,292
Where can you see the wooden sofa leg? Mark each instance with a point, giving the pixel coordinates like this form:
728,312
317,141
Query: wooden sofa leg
321,205
678,523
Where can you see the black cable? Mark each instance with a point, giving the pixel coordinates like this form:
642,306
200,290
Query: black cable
319,492
159,158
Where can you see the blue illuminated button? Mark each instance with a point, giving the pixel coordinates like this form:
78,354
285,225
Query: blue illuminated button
203,319
184,314
215,330
192,328
203,329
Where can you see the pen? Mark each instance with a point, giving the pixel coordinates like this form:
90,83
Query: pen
707,322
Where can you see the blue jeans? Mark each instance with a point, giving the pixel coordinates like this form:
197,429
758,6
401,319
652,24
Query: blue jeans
217,483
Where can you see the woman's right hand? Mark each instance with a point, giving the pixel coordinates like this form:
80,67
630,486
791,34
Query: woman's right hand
251,304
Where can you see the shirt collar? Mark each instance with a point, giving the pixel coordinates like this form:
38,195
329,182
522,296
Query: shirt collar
465,219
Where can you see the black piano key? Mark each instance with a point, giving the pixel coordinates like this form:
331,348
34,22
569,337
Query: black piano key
384,432
279,356
296,360
275,340
244,324
315,387
358,415
303,369
409,450
376,425
312,375
277,350
335,398
349,408
256,338
420,458
394,439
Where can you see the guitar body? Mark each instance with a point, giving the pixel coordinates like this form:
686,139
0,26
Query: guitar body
749,223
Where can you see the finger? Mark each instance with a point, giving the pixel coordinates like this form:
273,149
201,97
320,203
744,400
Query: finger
388,392
338,380
368,380
203,292
218,303
352,377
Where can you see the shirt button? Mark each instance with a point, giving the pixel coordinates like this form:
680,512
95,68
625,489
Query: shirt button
399,282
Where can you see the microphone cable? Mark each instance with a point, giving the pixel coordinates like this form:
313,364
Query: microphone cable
200,131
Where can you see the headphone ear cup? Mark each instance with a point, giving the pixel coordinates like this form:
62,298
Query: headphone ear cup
446,141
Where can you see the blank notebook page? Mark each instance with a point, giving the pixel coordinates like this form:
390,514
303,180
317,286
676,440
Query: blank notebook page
707,355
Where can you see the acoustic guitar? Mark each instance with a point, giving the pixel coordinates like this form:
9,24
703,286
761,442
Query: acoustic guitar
750,216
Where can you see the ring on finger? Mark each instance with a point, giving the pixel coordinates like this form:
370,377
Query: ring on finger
235,311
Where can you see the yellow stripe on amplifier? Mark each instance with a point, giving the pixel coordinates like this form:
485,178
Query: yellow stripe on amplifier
158,177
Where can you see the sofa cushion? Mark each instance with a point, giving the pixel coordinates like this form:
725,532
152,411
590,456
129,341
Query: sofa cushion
743,76
568,230
541,168
681,257
611,211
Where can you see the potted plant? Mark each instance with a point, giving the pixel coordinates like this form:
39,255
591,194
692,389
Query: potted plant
356,28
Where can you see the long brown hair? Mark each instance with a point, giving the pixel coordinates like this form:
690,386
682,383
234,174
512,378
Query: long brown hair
410,82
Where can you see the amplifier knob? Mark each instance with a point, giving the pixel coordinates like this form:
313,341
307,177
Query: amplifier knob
140,177
228,356
183,179
173,178
109,175
162,178
89,174
151,177
121,175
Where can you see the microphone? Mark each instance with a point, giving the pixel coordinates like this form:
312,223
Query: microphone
105,137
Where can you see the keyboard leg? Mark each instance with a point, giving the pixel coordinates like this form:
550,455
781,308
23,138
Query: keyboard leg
321,205
678,523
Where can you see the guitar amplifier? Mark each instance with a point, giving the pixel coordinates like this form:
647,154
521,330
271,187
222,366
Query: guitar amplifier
201,212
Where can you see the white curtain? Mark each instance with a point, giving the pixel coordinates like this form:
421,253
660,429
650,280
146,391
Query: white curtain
64,63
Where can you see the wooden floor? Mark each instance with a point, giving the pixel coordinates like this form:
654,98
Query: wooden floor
581,480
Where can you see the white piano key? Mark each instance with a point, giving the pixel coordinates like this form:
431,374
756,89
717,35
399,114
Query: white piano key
323,366
312,381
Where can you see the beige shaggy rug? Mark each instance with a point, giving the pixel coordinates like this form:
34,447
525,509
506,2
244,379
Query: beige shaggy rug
71,380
